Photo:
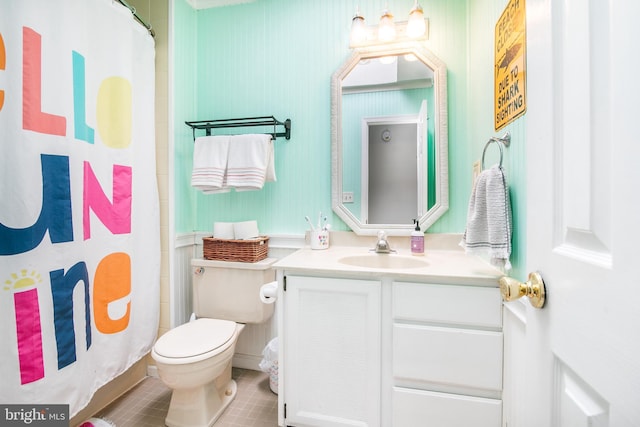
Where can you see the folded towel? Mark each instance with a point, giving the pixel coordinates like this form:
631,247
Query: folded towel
251,162
489,218
210,155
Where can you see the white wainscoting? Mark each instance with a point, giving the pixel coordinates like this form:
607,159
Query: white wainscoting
254,338
185,249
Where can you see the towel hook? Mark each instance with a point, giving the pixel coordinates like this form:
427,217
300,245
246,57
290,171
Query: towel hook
504,141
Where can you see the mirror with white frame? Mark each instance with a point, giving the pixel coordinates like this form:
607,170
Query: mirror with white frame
389,139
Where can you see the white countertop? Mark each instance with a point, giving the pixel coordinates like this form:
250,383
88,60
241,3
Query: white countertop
441,266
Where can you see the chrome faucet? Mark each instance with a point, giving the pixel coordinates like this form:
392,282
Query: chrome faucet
382,245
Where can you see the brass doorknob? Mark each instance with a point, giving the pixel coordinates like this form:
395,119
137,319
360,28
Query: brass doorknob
511,289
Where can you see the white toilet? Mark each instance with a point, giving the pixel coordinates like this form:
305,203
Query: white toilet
194,359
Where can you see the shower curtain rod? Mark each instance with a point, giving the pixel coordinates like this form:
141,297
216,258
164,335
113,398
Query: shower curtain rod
135,15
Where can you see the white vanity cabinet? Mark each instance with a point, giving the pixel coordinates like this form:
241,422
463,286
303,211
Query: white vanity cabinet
446,355
331,343
389,347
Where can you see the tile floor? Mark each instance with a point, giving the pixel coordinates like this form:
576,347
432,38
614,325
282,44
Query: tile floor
147,403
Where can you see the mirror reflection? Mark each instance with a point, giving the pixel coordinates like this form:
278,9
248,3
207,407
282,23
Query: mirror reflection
385,138
390,140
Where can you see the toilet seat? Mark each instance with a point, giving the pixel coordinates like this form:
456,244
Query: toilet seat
195,339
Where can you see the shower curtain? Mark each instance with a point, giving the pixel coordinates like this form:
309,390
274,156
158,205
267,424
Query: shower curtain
79,215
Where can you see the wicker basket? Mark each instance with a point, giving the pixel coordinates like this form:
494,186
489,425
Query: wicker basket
252,250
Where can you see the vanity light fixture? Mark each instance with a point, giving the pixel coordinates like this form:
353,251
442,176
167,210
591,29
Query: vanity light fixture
388,31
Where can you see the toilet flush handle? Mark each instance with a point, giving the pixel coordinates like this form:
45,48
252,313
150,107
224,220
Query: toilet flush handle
198,271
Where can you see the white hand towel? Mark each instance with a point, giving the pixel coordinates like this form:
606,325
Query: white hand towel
251,162
210,156
489,218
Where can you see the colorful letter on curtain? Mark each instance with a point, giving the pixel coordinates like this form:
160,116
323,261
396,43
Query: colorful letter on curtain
79,216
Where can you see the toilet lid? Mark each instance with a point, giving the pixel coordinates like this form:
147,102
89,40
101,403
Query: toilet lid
195,338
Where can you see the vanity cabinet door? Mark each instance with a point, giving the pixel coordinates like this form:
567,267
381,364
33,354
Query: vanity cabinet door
331,345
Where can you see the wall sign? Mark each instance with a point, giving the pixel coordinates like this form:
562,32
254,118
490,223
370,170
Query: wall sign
510,101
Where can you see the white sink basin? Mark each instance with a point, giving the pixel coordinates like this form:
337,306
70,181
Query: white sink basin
386,261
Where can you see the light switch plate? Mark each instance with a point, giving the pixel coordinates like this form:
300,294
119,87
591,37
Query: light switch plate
347,197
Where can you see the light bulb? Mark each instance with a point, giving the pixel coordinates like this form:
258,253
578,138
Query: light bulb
416,26
358,29
386,28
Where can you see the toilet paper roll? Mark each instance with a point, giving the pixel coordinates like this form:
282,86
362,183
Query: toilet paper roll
246,230
223,230
269,292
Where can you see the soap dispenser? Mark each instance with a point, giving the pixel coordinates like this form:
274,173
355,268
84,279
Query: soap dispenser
417,240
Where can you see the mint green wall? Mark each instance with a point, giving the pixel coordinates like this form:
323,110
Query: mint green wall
184,103
277,57
483,15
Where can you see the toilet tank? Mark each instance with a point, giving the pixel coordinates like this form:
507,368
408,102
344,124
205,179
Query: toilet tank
231,290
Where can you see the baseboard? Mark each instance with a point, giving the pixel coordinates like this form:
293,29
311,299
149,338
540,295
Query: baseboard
247,361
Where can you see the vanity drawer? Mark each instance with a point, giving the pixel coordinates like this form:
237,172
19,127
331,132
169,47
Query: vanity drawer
447,357
417,407
447,304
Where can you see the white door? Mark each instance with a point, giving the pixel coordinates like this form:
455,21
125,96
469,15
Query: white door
392,186
393,172
581,364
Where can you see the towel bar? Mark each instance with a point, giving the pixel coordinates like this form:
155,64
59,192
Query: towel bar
504,141
207,125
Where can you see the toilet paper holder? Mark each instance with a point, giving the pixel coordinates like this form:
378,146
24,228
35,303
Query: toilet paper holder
269,292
